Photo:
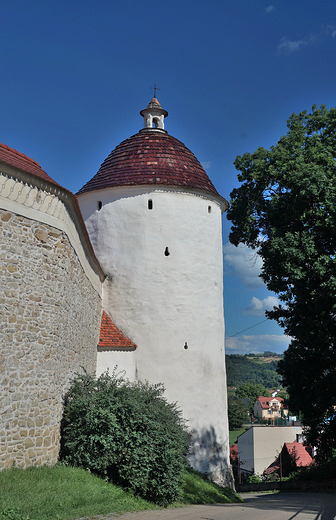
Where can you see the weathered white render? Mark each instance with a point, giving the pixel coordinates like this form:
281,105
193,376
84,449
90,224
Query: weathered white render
161,250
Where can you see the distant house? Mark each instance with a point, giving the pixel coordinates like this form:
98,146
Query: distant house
269,408
294,455
260,445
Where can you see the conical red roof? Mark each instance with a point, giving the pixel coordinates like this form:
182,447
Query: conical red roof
147,158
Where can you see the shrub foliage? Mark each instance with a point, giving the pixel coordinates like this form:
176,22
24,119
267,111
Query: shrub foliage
126,432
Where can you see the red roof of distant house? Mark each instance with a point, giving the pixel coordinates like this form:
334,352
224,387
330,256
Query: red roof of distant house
150,158
300,452
233,451
272,468
111,337
265,401
22,162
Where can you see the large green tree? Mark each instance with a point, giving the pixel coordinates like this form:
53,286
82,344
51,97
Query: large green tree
237,413
285,209
252,391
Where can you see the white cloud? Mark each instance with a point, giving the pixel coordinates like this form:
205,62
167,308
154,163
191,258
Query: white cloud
206,165
291,46
246,264
258,307
257,344
269,9
286,45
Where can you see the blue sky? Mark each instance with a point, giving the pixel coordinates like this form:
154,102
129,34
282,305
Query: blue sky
75,74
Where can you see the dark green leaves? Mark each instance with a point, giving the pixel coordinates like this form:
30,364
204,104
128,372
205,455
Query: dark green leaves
285,208
126,432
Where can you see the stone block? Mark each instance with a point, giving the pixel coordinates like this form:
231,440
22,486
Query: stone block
46,441
41,235
30,422
29,443
31,453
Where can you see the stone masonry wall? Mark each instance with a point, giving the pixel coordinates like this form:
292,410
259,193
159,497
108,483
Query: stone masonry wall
49,327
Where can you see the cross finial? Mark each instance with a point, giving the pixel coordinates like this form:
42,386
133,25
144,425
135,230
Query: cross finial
155,89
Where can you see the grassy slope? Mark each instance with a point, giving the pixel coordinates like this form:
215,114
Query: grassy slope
69,493
199,490
62,493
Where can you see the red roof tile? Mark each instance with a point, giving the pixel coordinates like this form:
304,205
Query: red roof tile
272,468
233,451
265,401
111,337
300,452
147,158
22,162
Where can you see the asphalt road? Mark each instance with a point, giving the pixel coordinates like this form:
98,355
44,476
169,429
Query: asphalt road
257,506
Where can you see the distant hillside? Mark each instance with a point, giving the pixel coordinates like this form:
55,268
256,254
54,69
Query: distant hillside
252,369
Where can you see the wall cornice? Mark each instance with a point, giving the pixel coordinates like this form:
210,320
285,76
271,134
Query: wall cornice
131,191
36,198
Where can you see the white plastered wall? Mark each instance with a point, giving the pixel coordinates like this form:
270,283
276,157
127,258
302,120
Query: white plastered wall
163,302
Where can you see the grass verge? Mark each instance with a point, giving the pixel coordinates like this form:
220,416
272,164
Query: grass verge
67,493
198,489
234,434
61,493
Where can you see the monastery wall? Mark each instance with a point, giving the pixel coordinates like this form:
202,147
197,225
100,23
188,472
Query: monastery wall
50,313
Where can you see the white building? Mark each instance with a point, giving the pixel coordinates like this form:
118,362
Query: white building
154,220
259,446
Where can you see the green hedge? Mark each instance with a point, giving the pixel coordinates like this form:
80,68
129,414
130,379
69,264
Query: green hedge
127,433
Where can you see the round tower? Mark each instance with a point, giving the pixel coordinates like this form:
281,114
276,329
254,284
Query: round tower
154,219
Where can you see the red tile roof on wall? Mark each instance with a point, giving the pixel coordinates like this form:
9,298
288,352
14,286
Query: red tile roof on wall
149,158
111,337
22,162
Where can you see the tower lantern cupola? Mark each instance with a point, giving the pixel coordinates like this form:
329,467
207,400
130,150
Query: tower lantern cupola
154,116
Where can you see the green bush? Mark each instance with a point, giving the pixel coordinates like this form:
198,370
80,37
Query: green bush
254,479
126,432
